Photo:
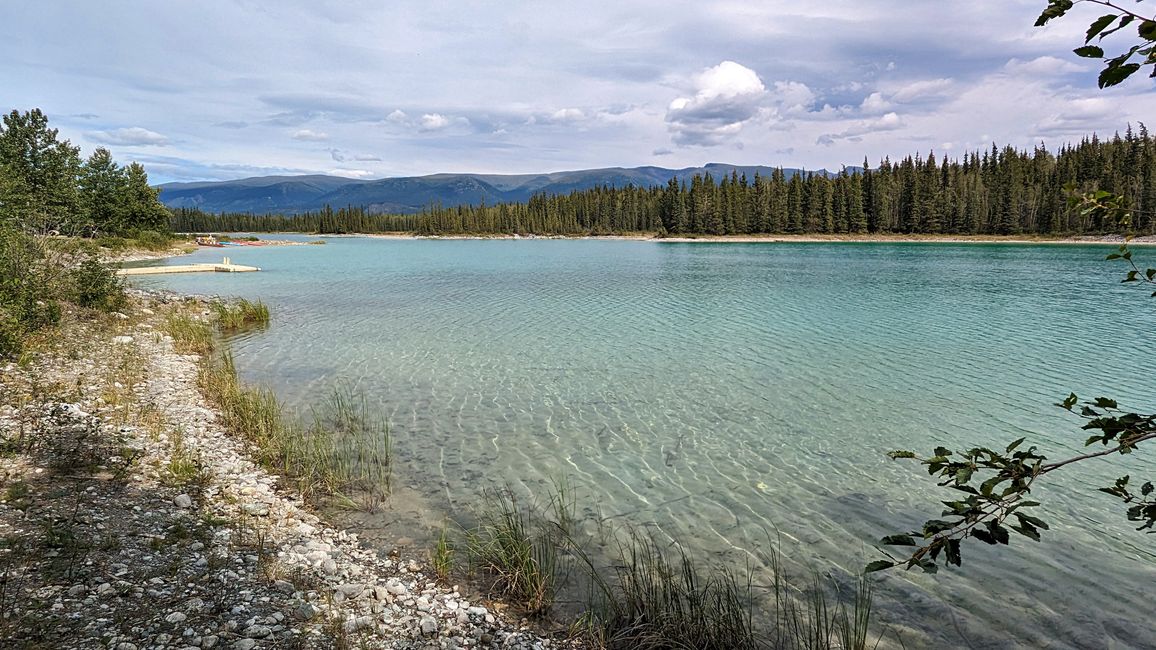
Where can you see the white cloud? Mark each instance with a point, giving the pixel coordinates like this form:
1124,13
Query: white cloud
434,121
929,89
793,97
132,136
1042,66
1078,116
875,104
726,97
567,115
856,130
351,173
397,116
308,135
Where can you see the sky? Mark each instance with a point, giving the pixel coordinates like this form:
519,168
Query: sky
223,89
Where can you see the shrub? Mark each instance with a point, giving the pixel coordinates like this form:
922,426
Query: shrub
153,240
95,286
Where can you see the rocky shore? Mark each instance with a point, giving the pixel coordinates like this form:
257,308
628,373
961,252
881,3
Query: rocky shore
130,519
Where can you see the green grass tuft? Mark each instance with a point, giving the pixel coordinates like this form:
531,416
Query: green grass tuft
240,315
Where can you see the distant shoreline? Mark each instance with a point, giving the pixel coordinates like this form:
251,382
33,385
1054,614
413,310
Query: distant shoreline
1146,240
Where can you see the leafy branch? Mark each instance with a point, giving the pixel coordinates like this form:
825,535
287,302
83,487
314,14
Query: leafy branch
1116,68
994,487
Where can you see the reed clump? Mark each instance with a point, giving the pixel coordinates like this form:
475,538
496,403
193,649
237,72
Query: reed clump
240,314
651,595
656,598
190,335
518,549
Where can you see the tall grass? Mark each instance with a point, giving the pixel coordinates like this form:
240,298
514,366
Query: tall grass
517,550
650,601
653,596
240,314
190,336
344,455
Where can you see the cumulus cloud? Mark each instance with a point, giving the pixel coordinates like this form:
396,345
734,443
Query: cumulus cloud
560,116
309,135
875,104
439,122
132,136
855,132
397,116
567,115
434,121
726,97
793,98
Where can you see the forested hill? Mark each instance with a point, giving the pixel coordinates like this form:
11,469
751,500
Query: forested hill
296,194
999,191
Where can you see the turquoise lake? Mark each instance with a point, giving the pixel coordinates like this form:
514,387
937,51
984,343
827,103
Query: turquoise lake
731,394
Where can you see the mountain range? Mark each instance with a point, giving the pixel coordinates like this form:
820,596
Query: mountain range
293,194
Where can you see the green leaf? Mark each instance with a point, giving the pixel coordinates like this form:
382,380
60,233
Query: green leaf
1147,30
953,555
1124,22
983,536
1012,446
1105,403
878,565
1099,25
1146,489
1034,521
1055,9
1113,256
1090,52
1114,74
1027,531
933,526
988,486
900,453
998,532
898,540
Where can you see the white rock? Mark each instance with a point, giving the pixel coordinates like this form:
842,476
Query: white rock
429,625
122,340
176,617
183,501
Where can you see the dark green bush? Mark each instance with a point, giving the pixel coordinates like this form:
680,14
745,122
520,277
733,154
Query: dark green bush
37,274
95,286
153,240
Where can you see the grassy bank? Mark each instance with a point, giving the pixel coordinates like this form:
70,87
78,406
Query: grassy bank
338,454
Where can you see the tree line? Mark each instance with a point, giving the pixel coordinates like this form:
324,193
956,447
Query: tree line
46,188
996,192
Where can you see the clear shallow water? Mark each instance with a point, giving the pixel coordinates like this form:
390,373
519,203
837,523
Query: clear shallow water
720,391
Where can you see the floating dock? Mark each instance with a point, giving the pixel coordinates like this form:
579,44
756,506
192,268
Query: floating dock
226,266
